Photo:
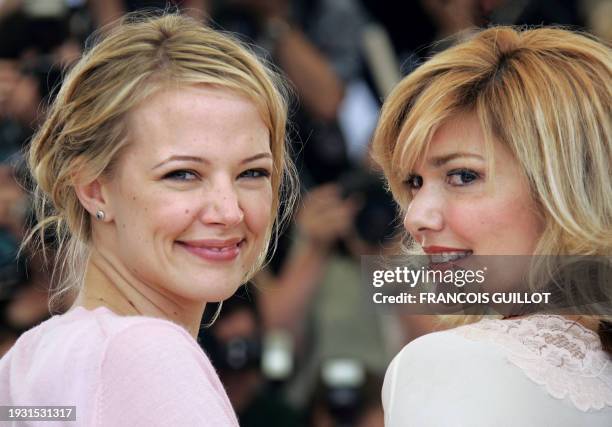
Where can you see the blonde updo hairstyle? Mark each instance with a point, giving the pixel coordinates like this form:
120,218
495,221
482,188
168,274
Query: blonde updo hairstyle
546,95
84,132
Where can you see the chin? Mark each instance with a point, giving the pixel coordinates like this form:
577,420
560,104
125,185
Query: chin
219,292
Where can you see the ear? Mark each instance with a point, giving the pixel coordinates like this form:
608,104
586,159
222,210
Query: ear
93,197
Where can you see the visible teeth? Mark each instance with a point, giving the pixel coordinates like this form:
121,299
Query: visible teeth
448,256
222,248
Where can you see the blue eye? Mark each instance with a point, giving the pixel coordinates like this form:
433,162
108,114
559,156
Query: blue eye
181,175
255,173
414,182
462,177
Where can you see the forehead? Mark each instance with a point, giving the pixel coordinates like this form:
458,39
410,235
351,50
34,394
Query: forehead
458,134
203,120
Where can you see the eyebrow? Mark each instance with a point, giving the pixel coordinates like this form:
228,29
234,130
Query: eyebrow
206,161
441,160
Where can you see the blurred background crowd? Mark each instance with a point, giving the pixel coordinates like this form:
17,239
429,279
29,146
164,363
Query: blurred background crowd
301,346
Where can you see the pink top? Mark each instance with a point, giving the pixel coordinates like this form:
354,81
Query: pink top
116,370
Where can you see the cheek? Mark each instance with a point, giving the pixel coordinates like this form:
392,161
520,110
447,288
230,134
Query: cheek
257,208
485,217
472,218
490,222
145,217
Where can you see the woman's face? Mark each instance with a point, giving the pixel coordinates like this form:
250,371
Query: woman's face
191,196
458,208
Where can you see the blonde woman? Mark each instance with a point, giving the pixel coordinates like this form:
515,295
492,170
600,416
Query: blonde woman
502,145
159,170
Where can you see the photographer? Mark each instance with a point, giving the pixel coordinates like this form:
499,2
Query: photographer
346,395
316,295
35,43
234,343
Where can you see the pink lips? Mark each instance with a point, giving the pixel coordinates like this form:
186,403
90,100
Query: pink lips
214,249
441,249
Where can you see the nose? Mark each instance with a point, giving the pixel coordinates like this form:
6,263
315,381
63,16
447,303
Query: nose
222,206
425,214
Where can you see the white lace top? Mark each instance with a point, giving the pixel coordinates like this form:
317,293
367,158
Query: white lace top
539,370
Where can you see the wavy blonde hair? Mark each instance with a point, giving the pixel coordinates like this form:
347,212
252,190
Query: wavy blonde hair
84,132
546,94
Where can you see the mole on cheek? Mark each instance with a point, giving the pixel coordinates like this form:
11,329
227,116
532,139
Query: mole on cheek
186,211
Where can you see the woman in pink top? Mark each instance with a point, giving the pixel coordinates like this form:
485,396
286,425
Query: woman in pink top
158,169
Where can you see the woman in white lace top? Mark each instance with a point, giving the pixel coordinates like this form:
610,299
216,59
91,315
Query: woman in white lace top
502,145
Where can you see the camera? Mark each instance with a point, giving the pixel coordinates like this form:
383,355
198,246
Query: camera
374,221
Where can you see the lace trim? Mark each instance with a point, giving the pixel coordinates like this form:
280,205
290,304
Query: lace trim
557,353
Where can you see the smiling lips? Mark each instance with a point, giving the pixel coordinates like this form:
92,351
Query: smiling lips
442,254
214,249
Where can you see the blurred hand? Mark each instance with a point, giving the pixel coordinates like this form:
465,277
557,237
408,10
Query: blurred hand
68,53
452,16
9,75
325,217
265,9
12,200
25,100
19,94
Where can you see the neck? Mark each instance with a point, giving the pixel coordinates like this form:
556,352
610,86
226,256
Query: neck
107,284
